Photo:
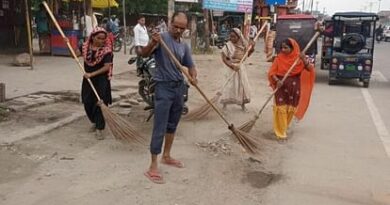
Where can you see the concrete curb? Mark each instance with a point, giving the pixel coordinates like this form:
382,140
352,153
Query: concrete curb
39,130
42,129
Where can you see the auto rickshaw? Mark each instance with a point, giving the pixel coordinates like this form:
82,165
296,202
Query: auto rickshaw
352,50
300,27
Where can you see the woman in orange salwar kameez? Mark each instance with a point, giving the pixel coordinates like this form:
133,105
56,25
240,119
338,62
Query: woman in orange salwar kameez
293,96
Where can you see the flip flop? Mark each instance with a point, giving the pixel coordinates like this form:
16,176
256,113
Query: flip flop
173,162
155,177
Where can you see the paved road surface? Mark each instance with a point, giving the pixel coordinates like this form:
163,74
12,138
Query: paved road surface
340,154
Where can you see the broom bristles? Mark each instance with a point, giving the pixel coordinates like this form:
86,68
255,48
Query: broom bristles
247,126
119,127
203,110
247,141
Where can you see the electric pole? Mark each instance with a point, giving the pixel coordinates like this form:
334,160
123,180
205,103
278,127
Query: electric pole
171,10
206,28
124,26
370,4
379,6
311,6
303,6
317,2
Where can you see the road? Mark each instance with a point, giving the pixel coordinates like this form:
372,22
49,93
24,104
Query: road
340,154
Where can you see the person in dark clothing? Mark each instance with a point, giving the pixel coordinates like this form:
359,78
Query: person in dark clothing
98,59
379,30
379,33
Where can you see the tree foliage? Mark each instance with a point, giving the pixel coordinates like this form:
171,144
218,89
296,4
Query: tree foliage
159,7
146,6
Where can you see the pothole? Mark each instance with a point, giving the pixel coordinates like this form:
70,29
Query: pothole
259,179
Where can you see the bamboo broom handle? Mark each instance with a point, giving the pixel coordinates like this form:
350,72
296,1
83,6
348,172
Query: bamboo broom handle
185,72
288,72
245,56
70,48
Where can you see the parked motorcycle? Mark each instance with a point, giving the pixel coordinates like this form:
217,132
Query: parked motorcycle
118,41
218,40
215,40
146,68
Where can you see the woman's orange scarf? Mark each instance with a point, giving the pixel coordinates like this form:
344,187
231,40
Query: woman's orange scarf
280,67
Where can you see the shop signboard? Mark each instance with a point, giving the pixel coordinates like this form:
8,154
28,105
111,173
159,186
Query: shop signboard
275,2
187,1
217,13
244,6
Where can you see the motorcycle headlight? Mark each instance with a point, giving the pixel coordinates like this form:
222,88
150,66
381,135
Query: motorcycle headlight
341,67
360,68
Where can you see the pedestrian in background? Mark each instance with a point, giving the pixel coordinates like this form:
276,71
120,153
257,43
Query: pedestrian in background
141,37
162,26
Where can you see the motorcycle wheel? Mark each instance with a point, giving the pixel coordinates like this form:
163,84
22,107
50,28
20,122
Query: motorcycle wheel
117,46
185,110
379,38
144,92
132,49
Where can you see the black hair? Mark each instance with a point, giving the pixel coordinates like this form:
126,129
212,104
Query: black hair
176,14
140,17
287,42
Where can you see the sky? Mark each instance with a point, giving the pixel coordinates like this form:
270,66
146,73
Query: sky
333,6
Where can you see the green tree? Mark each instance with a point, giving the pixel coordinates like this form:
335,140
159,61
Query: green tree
146,6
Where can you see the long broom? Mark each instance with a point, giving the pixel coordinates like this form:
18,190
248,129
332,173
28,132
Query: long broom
119,127
204,110
247,141
247,127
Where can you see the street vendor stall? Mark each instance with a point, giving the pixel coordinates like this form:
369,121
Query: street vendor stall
70,15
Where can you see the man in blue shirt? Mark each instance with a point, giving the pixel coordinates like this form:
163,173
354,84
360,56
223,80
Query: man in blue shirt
169,92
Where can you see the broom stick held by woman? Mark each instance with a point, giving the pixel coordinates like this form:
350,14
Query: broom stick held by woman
203,110
120,128
246,127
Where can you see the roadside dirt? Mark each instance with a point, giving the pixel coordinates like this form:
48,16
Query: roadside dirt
68,166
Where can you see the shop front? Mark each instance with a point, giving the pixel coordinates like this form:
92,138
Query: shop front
70,15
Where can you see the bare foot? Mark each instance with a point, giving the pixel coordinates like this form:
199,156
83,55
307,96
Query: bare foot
92,128
172,162
282,140
99,135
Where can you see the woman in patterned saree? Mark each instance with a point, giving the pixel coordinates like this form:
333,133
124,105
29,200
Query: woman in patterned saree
237,91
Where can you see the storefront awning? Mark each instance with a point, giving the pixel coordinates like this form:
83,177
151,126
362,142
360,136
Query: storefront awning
101,4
